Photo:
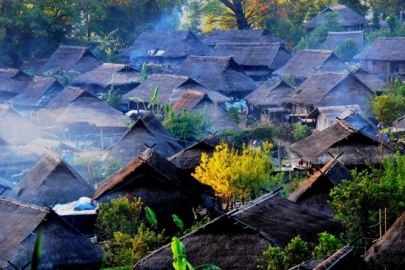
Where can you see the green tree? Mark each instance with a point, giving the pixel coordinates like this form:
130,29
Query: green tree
327,245
347,50
273,259
301,131
296,252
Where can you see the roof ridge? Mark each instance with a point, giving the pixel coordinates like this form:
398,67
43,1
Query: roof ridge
32,206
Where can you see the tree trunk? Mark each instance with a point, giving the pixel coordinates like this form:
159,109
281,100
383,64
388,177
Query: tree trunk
237,9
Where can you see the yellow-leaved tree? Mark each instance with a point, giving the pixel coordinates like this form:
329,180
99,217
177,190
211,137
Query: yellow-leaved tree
236,173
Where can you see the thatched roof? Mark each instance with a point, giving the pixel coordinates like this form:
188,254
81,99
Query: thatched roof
198,101
347,17
357,147
15,129
389,251
241,36
52,181
334,39
145,131
109,74
37,93
384,49
400,122
236,240
370,80
12,82
62,246
306,62
169,44
269,55
40,146
11,154
68,58
271,94
333,113
221,74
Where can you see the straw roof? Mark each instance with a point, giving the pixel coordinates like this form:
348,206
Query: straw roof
237,239
145,131
306,62
347,17
68,58
357,147
370,80
389,251
314,192
15,129
333,113
62,246
221,74
334,39
271,94
400,122
109,74
40,146
52,181
198,101
37,93
384,49
11,154
168,44
269,55
241,36
12,81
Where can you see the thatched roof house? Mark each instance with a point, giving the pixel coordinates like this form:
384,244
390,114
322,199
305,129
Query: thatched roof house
328,89
52,181
62,246
384,56
389,251
159,184
15,129
258,60
12,83
348,19
237,239
372,81
335,39
306,62
100,80
167,48
40,146
267,100
314,192
220,74
197,101
68,58
146,131
357,147
241,36
37,94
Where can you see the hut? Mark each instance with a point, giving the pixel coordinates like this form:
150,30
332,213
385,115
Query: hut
241,36
258,60
36,95
38,147
314,192
159,184
71,58
370,80
266,101
237,239
384,56
146,131
306,62
389,251
200,102
117,77
220,74
357,148
16,129
52,181
62,247
12,83
328,89
168,48
347,18
335,39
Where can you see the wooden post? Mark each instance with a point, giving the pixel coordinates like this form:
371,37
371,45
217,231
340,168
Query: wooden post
385,220
279,156
379,217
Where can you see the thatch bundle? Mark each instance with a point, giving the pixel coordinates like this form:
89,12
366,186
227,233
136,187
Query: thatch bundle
384,49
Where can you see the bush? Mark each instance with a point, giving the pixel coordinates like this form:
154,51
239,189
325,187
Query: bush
301,131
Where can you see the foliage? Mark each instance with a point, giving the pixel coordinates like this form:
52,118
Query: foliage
327,245
151,217
238,138
347,50
64,77
37,252
104,47
393,22
112,166
296,251
91,166
234,113
301,131
144,73
233,173
290,80
112,98
179,223
188,126
285,29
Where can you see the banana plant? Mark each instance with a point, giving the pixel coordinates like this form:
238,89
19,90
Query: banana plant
151,217
179,223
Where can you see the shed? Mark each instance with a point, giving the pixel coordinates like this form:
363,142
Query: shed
258,60
12,83
306,62
335,39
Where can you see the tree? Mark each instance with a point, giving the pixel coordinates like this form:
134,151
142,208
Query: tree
347,50
327,245
301,131
112,98
233,173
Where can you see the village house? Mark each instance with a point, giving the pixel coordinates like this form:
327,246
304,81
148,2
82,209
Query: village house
40,146
347,18
118,77
335,39
258,60
168,49
12,83
306,62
